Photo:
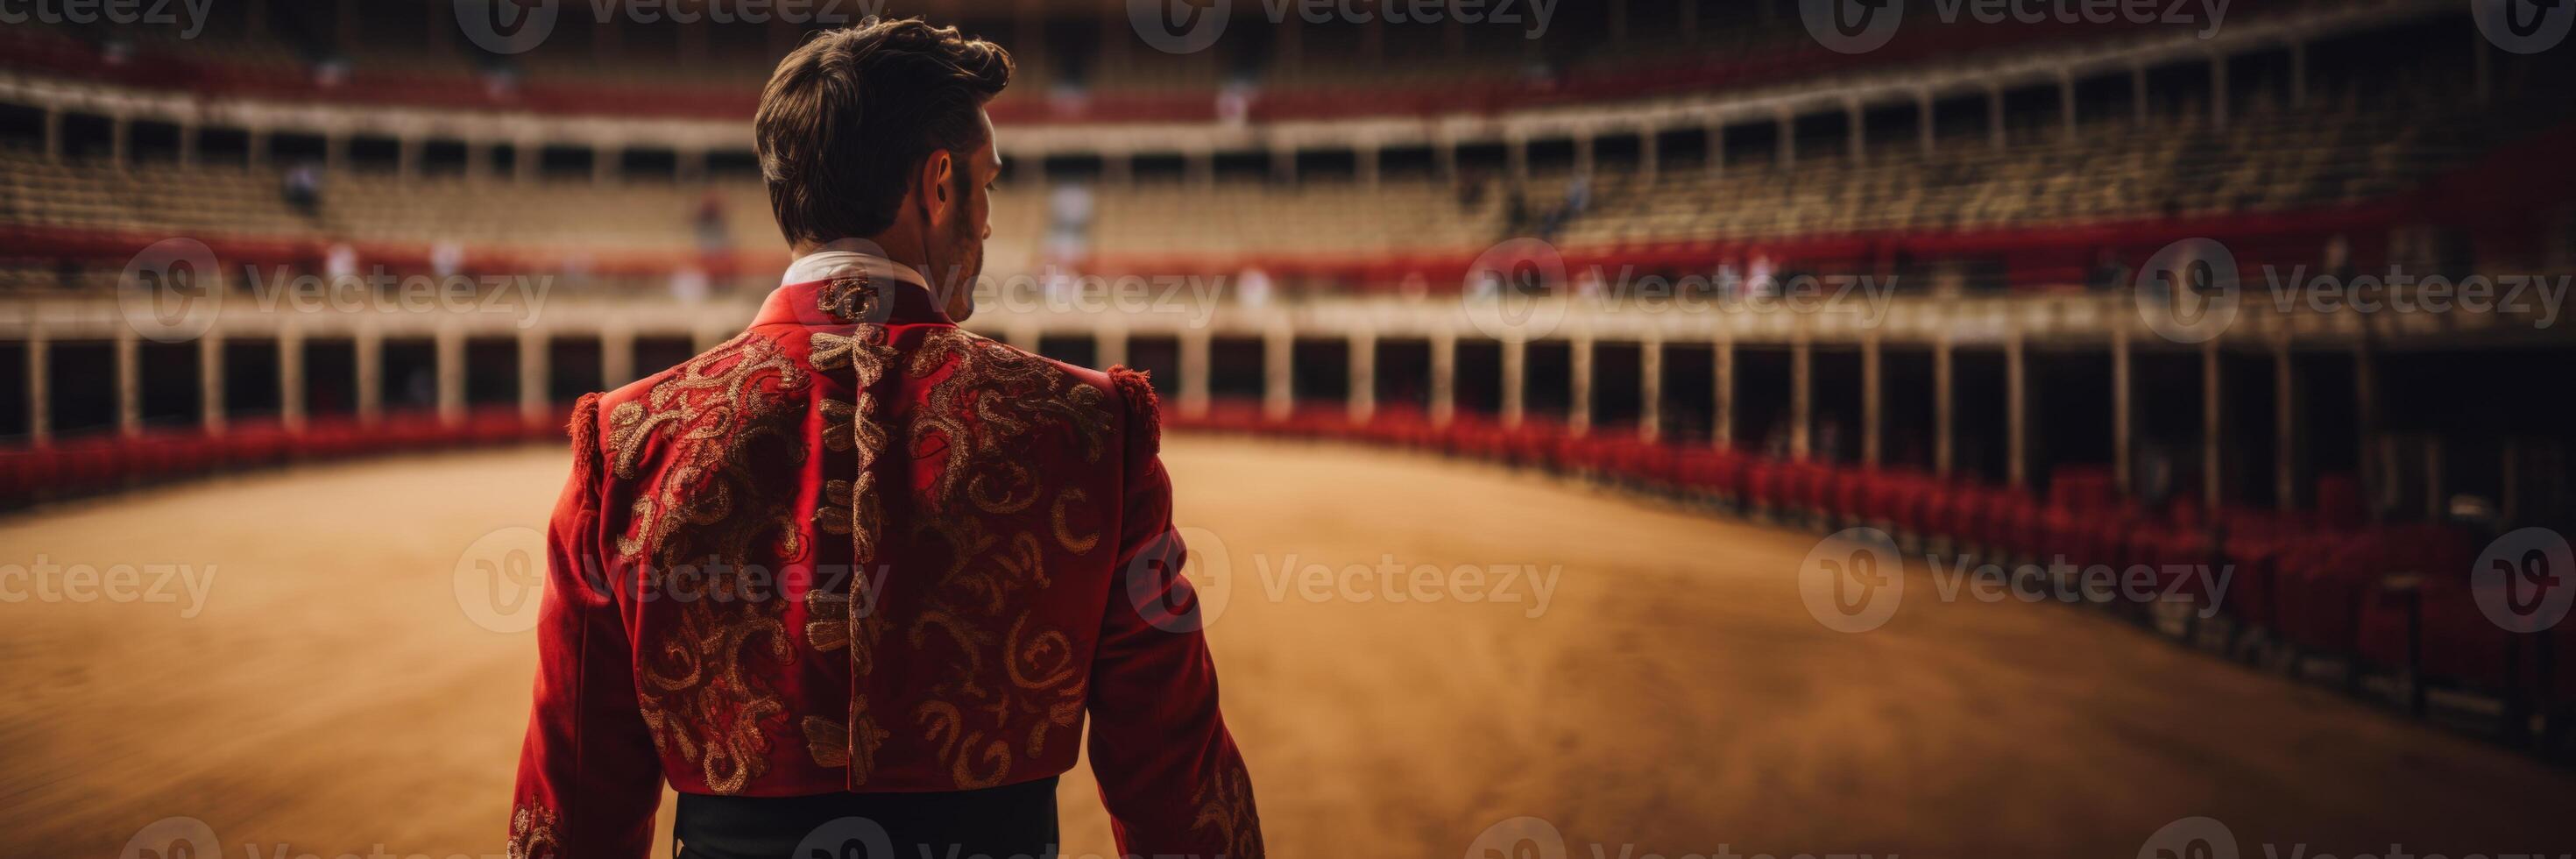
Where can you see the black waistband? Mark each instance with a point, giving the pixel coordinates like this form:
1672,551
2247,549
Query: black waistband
1008,821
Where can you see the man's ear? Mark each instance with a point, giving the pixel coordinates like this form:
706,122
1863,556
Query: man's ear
936,196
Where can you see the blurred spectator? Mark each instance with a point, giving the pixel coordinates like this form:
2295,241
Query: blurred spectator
446,258
303,188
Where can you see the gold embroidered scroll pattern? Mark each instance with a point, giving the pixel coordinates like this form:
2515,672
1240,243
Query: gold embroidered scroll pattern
705,520
532,833
839,618
978,429
1226,807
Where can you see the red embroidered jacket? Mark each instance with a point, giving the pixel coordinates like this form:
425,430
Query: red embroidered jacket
857,548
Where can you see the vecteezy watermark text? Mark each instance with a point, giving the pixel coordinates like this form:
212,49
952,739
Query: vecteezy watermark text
519,26
122,13
44,581
1854,580
1862,26
1191,26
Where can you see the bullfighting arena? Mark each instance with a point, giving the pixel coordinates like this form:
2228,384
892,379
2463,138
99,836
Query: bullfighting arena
1656,686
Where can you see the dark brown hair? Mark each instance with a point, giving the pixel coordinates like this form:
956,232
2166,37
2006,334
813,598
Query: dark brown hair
848,118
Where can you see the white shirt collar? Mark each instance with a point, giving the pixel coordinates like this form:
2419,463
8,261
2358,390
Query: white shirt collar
839,256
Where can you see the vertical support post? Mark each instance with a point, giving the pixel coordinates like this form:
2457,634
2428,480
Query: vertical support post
255,149
1515,378
2123,410
1279,370
451,374
535,352
2016,412
2436,484
2213,427
1716,135
2138,95
1194,372
1583,152
1363,358
1944,407
335,151
1516,155
2066,104
40,383
2289,429
129,382
1650,388
369,346
1578,416
120,142
1802,398
1873,415
1365,160
2365,412
1721,427
188,132
1109,345
1857,125
54,134
1444,377
1786,151
616,355
407,158
1995,135
291,407
527,157
1925,121
210,382
1650,155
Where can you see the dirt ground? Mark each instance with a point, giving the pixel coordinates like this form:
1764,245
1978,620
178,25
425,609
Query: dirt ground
1663,691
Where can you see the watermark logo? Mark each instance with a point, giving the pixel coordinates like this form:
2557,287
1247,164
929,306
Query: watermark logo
1861,26
185,17
1518,838
2524,581
2524,26
172,291
507,26
500,580
2190,838
1177,603
44,581
1515,290
173,838
1852,26
1853,580
2188,292
846,838
519,26
1179,26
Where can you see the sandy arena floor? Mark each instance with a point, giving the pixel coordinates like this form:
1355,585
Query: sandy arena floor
1671,695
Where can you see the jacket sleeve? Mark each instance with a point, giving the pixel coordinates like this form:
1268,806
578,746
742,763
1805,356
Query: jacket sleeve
589,780
1169,773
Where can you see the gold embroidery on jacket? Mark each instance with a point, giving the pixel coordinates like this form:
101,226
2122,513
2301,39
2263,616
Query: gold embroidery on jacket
532,833
705,526
851,507
1226,806
975,430
1072,498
